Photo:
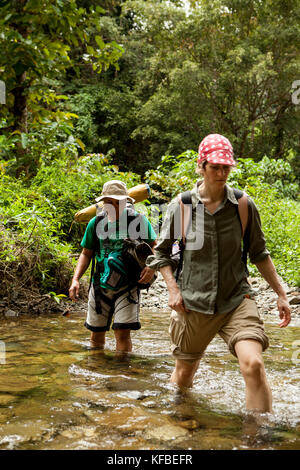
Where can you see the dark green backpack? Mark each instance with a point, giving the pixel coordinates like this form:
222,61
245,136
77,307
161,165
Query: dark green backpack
114,274
120,268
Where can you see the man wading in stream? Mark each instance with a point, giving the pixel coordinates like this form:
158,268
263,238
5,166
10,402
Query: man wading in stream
212,294
112,295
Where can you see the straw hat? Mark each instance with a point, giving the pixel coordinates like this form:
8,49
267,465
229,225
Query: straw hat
115,189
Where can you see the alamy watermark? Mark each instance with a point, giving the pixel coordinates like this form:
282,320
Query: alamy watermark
2,353
2,92
185,222
296,93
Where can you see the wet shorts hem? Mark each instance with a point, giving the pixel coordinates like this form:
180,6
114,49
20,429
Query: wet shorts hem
260,338
186,357
96,328
123,326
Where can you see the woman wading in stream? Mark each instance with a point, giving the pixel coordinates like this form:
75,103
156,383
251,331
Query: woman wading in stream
212,294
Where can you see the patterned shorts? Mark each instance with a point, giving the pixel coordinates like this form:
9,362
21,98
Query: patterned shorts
122,306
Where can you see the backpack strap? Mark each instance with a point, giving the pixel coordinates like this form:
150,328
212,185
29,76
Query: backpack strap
131,216
95,248
185,202
242,199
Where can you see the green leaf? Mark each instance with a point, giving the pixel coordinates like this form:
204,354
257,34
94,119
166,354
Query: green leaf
80,143
100,9
91,50
100,42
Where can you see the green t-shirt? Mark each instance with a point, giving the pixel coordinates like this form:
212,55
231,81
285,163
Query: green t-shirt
117,233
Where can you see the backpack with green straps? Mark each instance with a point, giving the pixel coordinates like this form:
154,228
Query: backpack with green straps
120,268
185,201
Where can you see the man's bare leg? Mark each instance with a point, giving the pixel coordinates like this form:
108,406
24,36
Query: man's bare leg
98,339
123,340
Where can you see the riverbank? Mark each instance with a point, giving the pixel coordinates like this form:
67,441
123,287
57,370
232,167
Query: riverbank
29,302
265,297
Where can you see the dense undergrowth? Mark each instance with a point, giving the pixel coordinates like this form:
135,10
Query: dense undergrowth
38,240
39,244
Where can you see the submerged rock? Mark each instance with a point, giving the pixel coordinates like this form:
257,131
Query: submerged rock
189,424
76,432
10,313
167,432
5,399
295,300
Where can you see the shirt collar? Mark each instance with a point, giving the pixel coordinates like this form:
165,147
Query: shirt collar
229,194
195,194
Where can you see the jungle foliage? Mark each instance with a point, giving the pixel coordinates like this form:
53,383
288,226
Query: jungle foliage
97,90
227,67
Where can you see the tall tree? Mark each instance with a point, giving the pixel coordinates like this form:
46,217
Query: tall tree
227,66
36,42
108,107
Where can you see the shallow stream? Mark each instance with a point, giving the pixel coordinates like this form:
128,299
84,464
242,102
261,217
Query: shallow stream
57,393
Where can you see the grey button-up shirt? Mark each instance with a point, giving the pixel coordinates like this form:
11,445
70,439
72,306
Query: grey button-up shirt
213,276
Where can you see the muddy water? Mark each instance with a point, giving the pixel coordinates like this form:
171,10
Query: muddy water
57,393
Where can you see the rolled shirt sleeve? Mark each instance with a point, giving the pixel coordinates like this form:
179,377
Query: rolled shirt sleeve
257,243
163,249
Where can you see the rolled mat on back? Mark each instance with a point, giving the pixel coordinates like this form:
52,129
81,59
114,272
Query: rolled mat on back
139,193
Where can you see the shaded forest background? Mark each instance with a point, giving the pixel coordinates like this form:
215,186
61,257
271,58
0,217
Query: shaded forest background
109,89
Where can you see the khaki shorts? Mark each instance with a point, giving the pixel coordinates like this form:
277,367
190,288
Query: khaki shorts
192,332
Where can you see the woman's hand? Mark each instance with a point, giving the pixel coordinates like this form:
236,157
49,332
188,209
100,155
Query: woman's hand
175,298
176,301
284,311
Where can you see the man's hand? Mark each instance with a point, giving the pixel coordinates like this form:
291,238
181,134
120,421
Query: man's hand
284,311
146,275
74,290
82,265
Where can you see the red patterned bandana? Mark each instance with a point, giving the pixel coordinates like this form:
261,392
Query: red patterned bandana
215,148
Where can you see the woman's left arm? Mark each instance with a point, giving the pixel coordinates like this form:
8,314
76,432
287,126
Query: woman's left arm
269,273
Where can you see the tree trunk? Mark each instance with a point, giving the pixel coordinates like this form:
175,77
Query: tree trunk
242,144
20,120
20,104
20,99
